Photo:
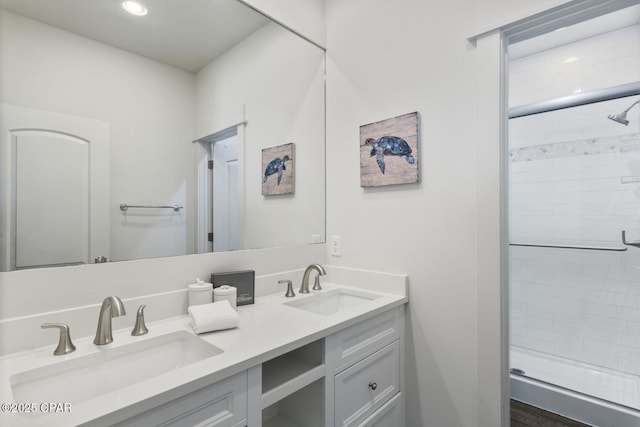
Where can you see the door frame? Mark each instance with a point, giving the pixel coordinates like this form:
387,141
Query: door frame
492,192
203,202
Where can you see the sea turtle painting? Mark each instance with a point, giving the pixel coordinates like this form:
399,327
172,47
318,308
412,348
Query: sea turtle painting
276,165
389,146
393,142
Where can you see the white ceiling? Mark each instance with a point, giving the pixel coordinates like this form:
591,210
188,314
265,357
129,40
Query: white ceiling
591,28
186,34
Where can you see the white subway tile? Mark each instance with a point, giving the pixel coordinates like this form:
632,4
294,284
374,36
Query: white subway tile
600,311
519,340
517,326
631,62
545,290
567,336
632,367
604,359
545,346
568,321
628,353
597,271
574,353
569,305
599,184
517,309
540,308
597,69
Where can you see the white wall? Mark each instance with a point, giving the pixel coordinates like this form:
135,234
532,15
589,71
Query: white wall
279,80
386,59
148,105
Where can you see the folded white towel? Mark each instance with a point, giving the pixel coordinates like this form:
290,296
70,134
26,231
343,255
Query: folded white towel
212,317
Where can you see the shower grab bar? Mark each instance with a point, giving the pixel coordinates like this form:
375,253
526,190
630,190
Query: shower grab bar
124,207
624,240
589,248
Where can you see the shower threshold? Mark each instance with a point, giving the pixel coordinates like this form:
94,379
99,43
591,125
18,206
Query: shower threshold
602,383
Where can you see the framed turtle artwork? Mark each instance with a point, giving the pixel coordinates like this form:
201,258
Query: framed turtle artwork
278,167
389,151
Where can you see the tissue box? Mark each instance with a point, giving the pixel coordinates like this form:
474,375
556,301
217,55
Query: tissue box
244,281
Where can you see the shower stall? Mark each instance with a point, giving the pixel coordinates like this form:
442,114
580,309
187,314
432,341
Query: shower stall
574,223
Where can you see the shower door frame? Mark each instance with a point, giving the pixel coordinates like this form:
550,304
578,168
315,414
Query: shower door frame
492,192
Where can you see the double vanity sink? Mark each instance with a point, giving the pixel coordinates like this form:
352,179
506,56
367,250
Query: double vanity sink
133,373
86,377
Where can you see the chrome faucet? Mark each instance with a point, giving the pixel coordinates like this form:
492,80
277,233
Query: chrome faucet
111,307
304,287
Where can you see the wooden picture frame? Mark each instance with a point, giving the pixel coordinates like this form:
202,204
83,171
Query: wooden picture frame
278,170
389,151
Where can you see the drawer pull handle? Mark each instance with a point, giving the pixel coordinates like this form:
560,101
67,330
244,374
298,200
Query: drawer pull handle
373,386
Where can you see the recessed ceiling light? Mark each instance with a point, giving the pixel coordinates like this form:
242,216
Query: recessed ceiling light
134,8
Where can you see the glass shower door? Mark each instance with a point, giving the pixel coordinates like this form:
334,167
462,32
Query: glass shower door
574,184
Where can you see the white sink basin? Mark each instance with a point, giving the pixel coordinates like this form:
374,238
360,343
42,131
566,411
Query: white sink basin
331,302
83,378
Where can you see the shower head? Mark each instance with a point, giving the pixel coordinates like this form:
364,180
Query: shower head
622,117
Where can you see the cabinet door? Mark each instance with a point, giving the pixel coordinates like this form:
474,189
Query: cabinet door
362,339
390,414
366,386
223,404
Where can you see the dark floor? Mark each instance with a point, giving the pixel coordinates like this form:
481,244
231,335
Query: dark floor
523,415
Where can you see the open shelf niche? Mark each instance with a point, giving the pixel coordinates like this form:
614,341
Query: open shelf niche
304,408
293,387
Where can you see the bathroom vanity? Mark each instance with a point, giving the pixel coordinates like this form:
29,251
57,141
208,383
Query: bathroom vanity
332,357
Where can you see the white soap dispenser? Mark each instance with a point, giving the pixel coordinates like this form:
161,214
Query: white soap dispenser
200,293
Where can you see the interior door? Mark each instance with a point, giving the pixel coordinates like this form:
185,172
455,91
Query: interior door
54,188
225,194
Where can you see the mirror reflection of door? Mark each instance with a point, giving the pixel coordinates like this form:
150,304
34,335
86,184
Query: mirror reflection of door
224,200
53,187
52,207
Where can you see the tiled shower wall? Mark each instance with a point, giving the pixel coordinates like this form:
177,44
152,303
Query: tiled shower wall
598,62
572,176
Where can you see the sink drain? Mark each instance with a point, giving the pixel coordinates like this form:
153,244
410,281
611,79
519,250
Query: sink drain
516,371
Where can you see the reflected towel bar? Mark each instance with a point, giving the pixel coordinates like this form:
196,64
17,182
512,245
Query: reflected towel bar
124,207
590,248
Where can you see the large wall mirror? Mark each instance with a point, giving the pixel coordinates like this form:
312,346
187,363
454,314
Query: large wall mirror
129,136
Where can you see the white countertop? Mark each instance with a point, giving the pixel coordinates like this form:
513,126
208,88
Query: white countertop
267,329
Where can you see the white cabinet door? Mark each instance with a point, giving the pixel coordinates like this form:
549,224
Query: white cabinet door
362,339
223,404
367,385
391,414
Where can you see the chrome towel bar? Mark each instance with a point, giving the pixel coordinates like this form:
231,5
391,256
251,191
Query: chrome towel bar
124,207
